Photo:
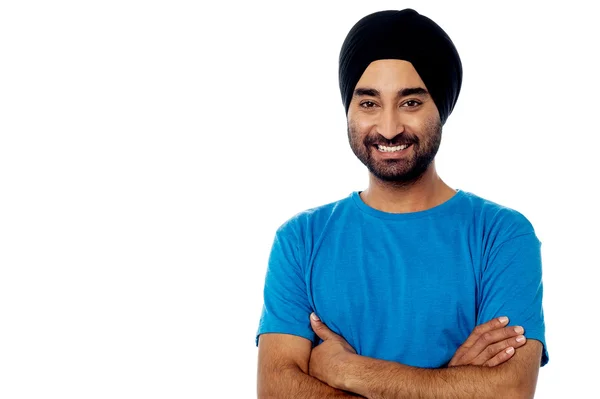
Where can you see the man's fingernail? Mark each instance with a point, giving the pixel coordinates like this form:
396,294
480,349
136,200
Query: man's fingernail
314,317
519,330
503,319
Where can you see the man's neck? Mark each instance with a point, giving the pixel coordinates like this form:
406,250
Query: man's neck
429,191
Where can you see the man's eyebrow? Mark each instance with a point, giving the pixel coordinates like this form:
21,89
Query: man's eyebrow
408,91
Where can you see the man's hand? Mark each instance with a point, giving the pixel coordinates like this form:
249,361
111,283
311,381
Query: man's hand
326,357
490,344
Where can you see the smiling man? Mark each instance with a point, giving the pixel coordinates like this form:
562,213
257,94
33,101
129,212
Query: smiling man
404,289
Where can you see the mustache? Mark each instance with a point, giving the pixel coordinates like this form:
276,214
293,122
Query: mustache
403,139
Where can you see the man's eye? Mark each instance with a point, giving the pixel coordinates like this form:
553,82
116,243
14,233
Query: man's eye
413,102
367,104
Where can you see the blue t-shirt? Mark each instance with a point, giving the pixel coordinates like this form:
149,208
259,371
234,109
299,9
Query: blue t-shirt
405,287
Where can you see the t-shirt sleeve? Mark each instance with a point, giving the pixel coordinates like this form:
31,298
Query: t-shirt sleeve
511,286
286,308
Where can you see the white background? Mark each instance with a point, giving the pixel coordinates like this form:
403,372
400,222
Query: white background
149,150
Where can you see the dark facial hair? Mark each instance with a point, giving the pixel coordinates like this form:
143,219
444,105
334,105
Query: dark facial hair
398,172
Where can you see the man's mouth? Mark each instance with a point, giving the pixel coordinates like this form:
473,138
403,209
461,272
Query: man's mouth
384,148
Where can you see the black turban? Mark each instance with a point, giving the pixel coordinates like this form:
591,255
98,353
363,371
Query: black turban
403,35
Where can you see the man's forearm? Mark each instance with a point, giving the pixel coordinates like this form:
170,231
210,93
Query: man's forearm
294,383
374,378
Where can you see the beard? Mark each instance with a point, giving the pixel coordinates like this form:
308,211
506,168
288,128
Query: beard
406,170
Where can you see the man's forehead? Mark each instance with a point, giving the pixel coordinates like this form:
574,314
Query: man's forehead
391,73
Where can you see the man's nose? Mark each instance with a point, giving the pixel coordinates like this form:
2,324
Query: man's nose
390,124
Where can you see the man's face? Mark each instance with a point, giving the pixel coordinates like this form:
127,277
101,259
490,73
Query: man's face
390,108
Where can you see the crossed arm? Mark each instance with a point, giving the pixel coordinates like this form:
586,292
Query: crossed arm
375,378
283,370
333,370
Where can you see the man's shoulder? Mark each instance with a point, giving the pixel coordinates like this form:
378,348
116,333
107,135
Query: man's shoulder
313,217
495,216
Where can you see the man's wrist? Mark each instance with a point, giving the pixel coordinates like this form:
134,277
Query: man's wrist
362,375
347,372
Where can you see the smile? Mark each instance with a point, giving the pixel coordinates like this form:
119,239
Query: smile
384,148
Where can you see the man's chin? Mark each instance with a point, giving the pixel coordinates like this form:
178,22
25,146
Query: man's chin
395,176
392,177
391,174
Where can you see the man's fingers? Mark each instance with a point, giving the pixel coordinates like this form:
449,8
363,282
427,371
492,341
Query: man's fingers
320,328
464,349
491,325
490,338
493,351
484,348
500,357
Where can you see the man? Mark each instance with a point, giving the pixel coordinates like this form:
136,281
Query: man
404,289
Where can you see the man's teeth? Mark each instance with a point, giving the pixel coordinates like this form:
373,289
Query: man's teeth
391,149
